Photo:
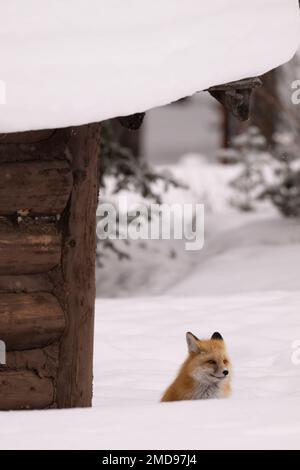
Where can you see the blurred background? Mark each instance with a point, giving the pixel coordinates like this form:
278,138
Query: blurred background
246,174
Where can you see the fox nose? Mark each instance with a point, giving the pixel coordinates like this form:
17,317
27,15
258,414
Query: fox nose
225,372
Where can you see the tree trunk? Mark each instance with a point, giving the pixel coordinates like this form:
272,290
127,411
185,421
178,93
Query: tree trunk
265,106
264,111
48,200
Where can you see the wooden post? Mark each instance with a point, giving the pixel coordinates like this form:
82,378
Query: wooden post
75,376
48,200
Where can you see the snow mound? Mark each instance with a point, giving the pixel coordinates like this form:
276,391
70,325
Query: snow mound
73,62
138,348
257,253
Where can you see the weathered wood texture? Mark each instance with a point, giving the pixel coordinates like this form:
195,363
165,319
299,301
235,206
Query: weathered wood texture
29,250
25,390
30,321
34,188
29,137
35,146
26,284
47,263
43,361
75,376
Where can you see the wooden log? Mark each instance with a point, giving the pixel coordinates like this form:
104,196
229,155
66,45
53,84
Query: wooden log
75,375
29,321
29,250
34,188
25,390
28,137
36,145
25,284
43,361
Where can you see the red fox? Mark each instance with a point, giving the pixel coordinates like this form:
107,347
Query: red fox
205,374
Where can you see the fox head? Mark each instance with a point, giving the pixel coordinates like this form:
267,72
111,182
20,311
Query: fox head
208,361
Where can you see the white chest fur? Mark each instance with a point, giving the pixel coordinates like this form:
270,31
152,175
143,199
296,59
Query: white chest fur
205,391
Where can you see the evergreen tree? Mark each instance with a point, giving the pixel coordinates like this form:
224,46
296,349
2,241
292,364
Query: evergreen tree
250,146
128,172
285,191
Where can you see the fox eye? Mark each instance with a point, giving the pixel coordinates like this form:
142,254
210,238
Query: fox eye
213,363
225,362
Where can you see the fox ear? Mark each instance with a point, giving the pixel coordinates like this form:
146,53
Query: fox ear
192,342
218,336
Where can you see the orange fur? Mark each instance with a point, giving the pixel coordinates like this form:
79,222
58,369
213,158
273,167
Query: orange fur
202,374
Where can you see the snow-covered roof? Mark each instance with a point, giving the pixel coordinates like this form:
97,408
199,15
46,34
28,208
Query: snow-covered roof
69,62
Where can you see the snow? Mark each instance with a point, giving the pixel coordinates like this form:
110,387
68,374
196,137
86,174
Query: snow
245,284
141,274
262,254
139,346
70,63
244,241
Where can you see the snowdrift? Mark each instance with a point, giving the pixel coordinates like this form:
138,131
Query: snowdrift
138,348
74,62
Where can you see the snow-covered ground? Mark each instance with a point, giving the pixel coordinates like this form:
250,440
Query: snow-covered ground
139,345
245,284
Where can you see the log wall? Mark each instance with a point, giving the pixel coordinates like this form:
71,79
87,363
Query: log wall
48,199
34,188
28,248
